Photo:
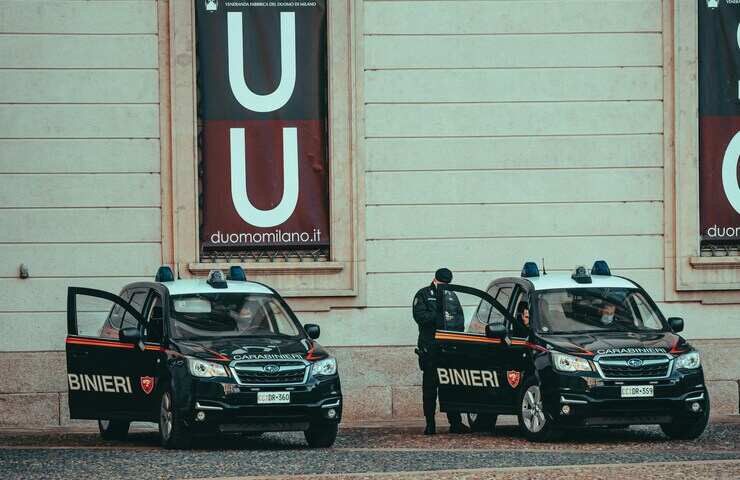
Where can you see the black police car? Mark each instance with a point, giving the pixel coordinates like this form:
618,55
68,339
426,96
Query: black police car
197,357
596,351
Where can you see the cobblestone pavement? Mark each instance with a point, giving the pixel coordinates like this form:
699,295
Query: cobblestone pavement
388,452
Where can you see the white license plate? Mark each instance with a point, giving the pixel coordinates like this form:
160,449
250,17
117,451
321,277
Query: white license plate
273,397
630,391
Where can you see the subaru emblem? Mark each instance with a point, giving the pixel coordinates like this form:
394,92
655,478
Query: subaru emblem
271,368
634,362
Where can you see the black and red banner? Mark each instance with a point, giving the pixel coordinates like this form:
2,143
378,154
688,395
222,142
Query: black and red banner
719,120
262,85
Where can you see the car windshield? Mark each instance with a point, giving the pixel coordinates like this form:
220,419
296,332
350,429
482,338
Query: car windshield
580,310
229,315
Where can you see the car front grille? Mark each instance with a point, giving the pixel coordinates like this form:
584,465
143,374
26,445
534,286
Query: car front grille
619,367
270,373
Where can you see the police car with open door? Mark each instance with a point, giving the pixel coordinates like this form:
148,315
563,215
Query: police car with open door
198,356
562,350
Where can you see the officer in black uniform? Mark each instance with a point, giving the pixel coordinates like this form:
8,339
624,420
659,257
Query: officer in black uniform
432,312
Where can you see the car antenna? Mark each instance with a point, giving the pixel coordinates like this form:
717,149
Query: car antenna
544,272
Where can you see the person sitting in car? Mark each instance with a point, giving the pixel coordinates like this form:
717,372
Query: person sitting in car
520,328
606,312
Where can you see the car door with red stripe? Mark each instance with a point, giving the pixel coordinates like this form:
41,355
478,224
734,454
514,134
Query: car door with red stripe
471,366
107,378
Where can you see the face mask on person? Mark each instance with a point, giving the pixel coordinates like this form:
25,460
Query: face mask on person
607,318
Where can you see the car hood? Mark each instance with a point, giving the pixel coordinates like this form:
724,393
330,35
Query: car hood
616,342
251,348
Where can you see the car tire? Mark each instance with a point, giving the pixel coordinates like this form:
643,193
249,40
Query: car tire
173,433
687,428
533,420
482,422
321,435
113,429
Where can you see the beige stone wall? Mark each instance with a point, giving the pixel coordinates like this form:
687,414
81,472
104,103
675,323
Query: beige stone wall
79,158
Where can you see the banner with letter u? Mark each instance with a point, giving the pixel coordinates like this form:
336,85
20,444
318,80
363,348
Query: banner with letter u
262,102
719,120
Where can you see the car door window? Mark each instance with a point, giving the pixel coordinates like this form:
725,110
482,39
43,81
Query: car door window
112,323
469,310
154,319
521,302
484,314
502,296
137,301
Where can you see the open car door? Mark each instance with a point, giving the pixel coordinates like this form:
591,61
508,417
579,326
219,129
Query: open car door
472,367
107,378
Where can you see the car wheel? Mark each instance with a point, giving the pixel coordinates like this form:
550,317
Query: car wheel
321,435
173,433
113,429
481,422
533,419
687,428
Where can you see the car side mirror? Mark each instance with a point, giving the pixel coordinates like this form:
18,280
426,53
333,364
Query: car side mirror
313,331
129,335
495,330
676,324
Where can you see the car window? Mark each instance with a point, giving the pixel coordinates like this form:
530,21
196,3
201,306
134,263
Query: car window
112,324
589,310
229,314
485,313
154,322
521,302
502,296
137,301
646,317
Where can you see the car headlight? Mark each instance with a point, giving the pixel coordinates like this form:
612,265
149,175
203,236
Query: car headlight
327,366
689,361
569,363
204,369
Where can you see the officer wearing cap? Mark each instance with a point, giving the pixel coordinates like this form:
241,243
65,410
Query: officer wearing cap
432,312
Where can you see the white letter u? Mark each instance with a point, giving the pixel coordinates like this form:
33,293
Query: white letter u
239,194
242,93
729,172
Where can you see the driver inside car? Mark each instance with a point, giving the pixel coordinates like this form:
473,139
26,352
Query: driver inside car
606,312
520,328
251,319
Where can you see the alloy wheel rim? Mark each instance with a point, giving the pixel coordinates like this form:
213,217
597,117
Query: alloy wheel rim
533,414
165,416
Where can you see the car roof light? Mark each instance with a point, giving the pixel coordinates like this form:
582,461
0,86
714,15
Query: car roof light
530,270
601,268
164,274
581,275
237,273
216,279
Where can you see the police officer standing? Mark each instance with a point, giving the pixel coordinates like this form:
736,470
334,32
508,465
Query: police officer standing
432,312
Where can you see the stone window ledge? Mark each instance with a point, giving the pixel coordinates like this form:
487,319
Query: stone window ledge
273,268
704,263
